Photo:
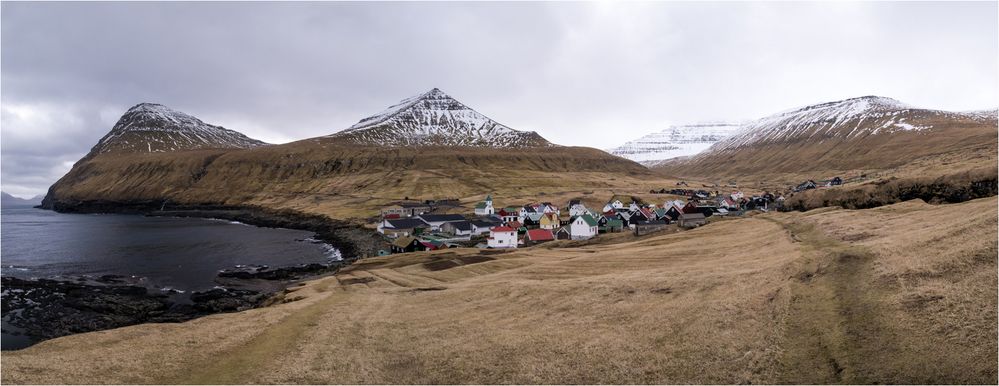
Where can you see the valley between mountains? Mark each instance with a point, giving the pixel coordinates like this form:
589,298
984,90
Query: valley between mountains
888,277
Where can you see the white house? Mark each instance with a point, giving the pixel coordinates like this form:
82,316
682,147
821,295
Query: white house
502,237
578,210
437,220
401,226
485,208
481,226
458,228
583,227
676,203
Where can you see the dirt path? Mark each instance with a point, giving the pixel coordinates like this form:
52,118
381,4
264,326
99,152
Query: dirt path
832,312
243,363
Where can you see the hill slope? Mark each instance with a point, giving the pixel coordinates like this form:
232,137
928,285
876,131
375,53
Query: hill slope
435,119
867,133
899,294
345,175
675,141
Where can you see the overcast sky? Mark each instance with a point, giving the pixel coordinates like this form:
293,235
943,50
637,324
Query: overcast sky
592,74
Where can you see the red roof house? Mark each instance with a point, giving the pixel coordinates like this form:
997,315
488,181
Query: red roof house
539,235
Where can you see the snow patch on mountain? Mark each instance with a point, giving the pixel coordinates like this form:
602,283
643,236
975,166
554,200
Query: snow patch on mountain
435,119
849,118
676,141
150,127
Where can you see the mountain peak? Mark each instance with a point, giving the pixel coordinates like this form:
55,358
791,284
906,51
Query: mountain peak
434,118
152,127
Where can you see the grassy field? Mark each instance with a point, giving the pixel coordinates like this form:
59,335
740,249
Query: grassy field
904,293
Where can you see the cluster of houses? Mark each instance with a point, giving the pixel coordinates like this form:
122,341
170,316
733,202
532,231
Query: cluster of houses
811,184
416,226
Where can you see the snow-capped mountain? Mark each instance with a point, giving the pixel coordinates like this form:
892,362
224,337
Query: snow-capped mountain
151,127
675,141
435,119
868,132
853,118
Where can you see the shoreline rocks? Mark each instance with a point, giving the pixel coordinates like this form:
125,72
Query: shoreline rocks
42,309
46,308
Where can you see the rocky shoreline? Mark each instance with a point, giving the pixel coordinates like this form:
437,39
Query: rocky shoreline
41,309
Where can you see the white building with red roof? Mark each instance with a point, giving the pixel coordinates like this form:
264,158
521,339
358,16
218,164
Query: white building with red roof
502,237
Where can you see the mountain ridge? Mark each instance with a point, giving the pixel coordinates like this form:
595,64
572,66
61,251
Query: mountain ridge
868,132
435,118
342,175
152,127
674,141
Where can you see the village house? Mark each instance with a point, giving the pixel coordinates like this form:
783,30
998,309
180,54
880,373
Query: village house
402,227
578,209
535,236
436,220
646,227
549,221
482,226
611,225
673,213
433,245
624,215
458,228
508,215
564,219
532,220
612,205
502,237
407,244
405,209
691,220
728,203
810,184
563,234
485,208
583,227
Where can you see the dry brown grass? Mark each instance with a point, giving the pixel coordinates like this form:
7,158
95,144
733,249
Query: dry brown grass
317,177
899,294
953,145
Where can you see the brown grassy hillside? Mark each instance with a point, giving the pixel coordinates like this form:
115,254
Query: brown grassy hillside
806,143
898,294
322,176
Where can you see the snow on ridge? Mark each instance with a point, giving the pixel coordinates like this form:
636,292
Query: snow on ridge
435,118
389,112
854,117
152,127
675,141
982,114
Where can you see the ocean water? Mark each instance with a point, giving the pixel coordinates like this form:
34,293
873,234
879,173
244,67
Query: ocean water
183,254
180,253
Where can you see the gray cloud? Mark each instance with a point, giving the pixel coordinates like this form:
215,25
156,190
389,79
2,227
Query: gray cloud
594,74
